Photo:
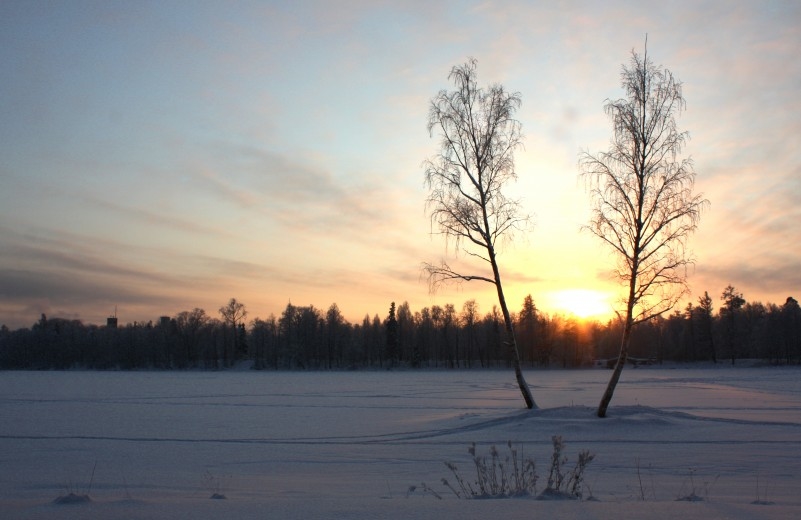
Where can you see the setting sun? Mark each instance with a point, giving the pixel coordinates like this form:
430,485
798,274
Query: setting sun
583,303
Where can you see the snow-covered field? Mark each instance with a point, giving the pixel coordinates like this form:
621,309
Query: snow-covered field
350,445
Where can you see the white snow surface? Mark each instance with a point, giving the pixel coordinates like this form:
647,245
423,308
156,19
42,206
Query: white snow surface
348,445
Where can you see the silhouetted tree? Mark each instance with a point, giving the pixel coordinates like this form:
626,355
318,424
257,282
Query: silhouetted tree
527,332
334,325
189,326
377,336
478,136
290,336
569,344
372,340
264,340
642,193
232,314
405,333
392,335
425,340
733,301
310,327
450,339
705,320
790,318
754,327
689,335
469,320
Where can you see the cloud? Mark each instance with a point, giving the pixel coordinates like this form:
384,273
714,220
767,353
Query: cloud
771,283
66,288
158,220
296,193
66,253
48,269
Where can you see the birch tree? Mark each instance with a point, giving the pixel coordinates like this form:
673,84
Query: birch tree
478,135
643,205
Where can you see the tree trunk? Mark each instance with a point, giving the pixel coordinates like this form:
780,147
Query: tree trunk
624,351
621,361
510,333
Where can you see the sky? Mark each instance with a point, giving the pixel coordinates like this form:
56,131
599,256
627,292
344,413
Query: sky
161,156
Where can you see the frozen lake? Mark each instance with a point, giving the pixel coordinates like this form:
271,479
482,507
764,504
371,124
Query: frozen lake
350,444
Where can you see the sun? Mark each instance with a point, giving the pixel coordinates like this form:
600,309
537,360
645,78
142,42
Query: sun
583,303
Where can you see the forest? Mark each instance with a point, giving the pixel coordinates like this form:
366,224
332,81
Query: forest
438,337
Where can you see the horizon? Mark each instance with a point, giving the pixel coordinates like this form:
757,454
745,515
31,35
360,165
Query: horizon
161,158
586,318
248,321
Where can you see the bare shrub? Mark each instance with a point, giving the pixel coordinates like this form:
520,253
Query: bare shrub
515,475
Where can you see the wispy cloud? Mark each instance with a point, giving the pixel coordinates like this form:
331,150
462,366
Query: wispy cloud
157,219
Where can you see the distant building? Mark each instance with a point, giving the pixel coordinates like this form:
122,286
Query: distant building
111,322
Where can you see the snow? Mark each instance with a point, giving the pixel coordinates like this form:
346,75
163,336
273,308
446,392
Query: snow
350,444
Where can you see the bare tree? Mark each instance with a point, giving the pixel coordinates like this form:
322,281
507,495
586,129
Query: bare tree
478,136
232,314
642,195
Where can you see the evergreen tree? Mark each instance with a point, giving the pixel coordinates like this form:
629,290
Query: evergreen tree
391,325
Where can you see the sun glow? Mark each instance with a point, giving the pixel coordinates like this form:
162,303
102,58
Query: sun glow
583,303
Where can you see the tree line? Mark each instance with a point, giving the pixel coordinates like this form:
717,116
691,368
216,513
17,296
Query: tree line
436,337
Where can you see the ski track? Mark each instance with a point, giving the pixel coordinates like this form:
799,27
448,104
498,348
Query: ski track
563,415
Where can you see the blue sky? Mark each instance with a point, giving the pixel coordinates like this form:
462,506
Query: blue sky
160,156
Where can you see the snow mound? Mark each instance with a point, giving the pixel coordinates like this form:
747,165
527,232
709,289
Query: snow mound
72,498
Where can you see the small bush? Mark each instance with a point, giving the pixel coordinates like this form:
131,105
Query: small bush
515,475
496,477
563,483
213,485
72,496
692,496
